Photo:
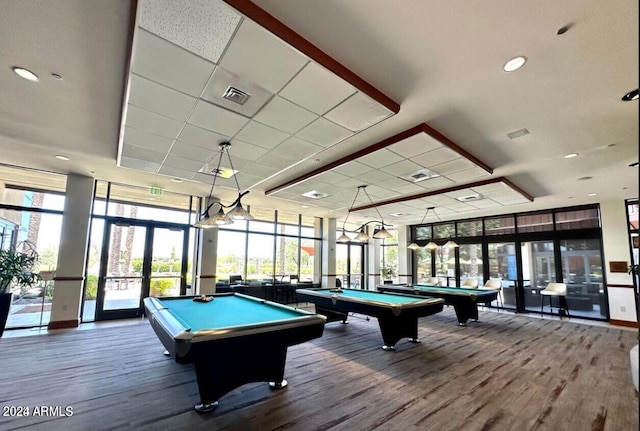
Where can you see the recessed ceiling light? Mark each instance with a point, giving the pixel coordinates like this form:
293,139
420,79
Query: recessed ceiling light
514,64
56,76
584,178
305,206
632,95
571,155
592,194
61,157
176,180
26,74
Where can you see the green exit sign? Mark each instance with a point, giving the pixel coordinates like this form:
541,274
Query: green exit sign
155,191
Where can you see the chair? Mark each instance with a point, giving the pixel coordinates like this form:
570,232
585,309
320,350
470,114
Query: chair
495,284
433,281
470,283
558,290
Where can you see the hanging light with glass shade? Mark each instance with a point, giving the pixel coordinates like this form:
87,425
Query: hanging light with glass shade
379,232
237,211
413,245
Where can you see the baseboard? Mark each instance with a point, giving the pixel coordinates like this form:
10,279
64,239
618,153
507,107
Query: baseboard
623,323
64,324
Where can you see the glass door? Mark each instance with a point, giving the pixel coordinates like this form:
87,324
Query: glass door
124,271
165,278
538,266
349,271
138,260
503,266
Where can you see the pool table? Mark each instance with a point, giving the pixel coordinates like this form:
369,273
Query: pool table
232,340
397,314
465,301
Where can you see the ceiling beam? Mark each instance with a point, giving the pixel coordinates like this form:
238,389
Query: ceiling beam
279,29
420,128
445,190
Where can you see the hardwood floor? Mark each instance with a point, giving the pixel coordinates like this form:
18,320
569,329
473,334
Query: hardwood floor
506,372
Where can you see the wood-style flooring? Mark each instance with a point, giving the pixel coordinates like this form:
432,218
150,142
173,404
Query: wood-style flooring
506,372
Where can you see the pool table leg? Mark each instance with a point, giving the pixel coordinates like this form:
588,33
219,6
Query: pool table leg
465,311
333,315
394,329
206,408
278,385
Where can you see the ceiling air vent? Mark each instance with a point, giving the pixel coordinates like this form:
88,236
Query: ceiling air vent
313,194
518,133
419,175
469,198
235,95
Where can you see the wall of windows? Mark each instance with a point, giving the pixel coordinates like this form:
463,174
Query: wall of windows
276,246
525,251
32,216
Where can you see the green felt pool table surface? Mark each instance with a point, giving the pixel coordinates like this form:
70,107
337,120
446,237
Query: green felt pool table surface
373,296
226,311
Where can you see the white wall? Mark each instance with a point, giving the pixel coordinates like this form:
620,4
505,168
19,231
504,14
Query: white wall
615,241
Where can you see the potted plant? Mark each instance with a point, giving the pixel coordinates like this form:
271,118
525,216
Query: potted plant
17,265
388,272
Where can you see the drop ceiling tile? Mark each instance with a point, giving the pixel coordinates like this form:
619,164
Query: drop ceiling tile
182,163
435,157
435,183
202,27
468,175
350,183
331,177
402,168
175,172
317,89
499,187
297,149
453,166
246,151
222,80
261,170
200,137
239,163
247,181
140,138
439,200
202,178
484,203
170,65
376,177
191,152
408,189
261,135
414,145
260,57
358,112
142,153
324,132
283,115
160,99
143,165
459,193
352,169
216,119
274,161
380,158
152,122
